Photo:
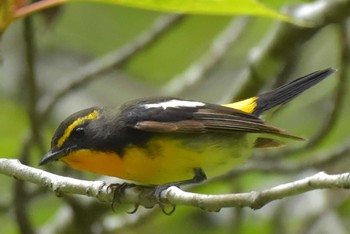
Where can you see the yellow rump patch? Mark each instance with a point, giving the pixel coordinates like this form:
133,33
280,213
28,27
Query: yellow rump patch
93,115
247,105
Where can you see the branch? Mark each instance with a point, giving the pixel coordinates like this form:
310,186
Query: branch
333,114
30,85
58,184
143,195
200,68
273,46
340,91
318,161
257,199
114,59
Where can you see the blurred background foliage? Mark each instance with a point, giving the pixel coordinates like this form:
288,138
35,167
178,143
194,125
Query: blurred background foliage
46,53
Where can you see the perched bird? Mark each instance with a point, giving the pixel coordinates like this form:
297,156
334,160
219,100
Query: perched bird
171,141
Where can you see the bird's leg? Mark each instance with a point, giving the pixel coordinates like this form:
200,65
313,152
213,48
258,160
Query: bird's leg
199,176
119,189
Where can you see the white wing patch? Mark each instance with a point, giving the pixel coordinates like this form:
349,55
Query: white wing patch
174,104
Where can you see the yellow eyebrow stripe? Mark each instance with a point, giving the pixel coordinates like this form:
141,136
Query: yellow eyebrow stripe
93,115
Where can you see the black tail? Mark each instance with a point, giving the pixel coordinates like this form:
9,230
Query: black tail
286,92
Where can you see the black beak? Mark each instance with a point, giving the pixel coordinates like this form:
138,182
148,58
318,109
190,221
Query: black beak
54,155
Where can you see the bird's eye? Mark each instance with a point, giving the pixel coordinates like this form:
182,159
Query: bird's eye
77,133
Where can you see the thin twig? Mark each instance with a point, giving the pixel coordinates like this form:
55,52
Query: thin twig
333,116
339,93
19,187
200,68
319,161
89,72
281,41
31,85
36,7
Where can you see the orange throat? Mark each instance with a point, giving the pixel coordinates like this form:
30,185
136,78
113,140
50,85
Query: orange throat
106,163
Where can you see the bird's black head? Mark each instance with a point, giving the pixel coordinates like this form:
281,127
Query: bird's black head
74,133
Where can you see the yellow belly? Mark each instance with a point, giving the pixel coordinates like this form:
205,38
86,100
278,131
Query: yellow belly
166,159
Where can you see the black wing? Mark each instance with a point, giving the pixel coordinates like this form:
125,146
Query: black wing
168,115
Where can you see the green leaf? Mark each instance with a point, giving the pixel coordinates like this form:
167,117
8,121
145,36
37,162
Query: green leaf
213,7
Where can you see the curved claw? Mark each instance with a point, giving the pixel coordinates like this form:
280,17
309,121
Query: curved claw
114,206
162,207
119,189
157,193
136,207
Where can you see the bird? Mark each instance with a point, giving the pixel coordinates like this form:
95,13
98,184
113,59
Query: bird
164,141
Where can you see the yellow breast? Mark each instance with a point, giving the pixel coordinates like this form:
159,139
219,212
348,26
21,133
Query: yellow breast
164,160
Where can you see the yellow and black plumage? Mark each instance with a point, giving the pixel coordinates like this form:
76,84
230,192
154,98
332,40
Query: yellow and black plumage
167,140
